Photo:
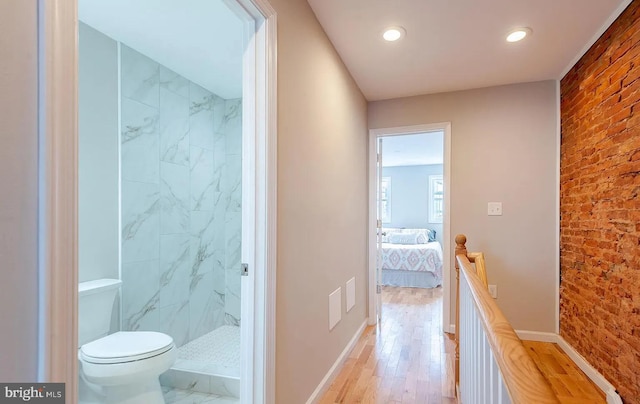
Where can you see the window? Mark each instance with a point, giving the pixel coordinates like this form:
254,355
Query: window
436,199
385,200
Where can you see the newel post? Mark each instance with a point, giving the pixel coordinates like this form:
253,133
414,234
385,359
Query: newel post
461,249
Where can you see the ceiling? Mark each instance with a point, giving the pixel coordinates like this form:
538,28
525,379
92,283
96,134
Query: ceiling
202,40
413,150
450,44
459,44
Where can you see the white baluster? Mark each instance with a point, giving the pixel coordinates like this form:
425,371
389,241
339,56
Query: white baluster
495,380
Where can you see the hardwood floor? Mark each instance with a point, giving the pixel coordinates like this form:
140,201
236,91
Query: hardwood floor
568,382
406,359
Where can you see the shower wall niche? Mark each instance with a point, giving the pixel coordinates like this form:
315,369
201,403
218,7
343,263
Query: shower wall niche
180,148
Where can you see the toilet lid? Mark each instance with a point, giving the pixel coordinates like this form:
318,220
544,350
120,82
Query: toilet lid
126,346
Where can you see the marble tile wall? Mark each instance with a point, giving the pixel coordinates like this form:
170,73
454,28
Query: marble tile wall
181,202
232,189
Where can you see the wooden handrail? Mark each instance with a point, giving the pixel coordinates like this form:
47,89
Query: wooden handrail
481,270
523,380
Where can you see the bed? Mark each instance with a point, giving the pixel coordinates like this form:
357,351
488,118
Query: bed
411,258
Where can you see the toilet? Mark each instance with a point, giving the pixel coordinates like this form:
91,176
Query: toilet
123,367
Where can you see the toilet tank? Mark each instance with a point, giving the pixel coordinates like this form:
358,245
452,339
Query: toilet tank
95,303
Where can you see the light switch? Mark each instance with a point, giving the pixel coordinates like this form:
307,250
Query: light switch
494,208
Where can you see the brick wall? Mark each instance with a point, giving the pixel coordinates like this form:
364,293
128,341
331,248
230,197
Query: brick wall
600,205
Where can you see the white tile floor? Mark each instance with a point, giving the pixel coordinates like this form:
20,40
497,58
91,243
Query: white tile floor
221,346
175,396
216,353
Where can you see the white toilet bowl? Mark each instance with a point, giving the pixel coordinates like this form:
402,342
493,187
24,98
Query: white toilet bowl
126,366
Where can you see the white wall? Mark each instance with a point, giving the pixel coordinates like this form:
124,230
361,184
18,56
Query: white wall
322,201
98,218
19,195
503,148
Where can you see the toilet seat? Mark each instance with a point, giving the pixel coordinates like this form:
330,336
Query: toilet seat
123,347
125,359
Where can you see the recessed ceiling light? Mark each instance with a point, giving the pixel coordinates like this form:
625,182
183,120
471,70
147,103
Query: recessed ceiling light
393,33
518,34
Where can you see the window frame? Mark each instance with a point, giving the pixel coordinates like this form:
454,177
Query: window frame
385,199
436,198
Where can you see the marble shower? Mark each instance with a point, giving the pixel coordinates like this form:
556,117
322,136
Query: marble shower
180,202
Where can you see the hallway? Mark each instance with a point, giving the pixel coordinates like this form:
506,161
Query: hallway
407,360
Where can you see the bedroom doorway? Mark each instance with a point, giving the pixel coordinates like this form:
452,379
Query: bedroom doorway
409,218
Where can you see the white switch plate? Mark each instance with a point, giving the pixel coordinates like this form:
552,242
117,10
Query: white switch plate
494,208
335,308
493,291
351,293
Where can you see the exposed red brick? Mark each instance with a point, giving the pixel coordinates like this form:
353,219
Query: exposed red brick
600,205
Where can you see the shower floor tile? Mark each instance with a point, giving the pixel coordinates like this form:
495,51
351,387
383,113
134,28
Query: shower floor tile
221,346
210,364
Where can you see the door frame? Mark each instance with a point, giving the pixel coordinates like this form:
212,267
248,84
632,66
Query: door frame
374,134
58,207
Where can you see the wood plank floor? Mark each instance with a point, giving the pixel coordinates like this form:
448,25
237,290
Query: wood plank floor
406,359
569,383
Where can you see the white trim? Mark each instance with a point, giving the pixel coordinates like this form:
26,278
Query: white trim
119,73
251,352
537,336
447,282
57,222
451,329
595,36
446,225
371,233
264,338
268,371
326,381
257,382
595,376
431,214
557,215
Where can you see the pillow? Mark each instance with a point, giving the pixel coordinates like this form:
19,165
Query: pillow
403,238
387,231
431,235
424,235
422,238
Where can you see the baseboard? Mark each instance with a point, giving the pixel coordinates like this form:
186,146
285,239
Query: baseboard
537,336
335,369
591,372
452,329
595,376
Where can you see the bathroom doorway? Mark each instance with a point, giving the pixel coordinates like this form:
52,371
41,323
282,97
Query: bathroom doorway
175,135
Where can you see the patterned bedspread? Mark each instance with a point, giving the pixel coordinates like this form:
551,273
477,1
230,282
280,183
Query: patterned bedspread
412,257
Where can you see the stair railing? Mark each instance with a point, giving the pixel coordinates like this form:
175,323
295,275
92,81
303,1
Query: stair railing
492,365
